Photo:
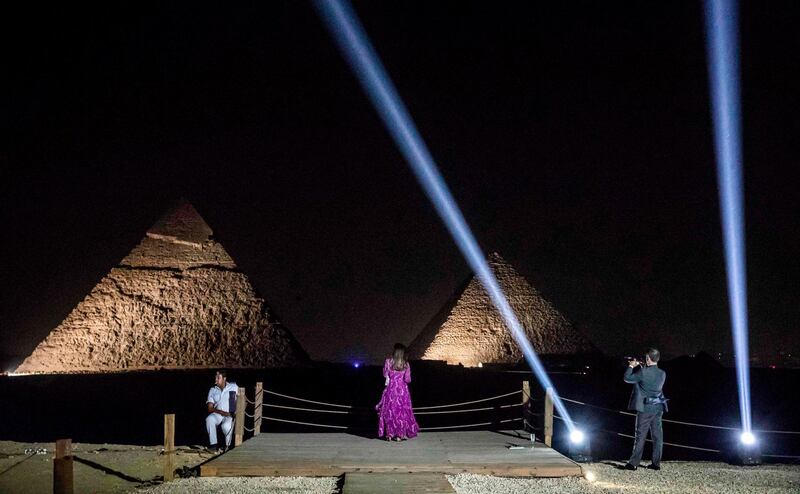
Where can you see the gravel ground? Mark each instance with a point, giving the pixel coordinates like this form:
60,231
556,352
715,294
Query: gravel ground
244,485
21,472
674,478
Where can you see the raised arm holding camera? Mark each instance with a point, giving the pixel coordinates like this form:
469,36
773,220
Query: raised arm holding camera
647,399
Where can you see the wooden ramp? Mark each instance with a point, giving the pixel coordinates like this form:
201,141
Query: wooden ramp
397,483
334,454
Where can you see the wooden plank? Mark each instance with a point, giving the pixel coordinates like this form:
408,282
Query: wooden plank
325,454
548,417
62,468
238,436
63,448
169,447
259,399
526,394
396,483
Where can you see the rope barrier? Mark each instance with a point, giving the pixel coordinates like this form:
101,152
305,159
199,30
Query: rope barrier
253,402
595,406
700,425
249,415
248,429
418,410
775,432
468,402
666,443
693,424
470,409
649,440
303,423
303,409
308,401
469,425
415,409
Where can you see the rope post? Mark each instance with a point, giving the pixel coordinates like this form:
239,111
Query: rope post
238,436
526,397
169,446
62,467
259,399
548,417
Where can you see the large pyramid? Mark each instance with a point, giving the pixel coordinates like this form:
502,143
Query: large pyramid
177,301
470,331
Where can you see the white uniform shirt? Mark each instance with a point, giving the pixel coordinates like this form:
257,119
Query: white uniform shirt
223,399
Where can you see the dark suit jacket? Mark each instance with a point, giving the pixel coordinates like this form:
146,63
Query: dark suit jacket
647,383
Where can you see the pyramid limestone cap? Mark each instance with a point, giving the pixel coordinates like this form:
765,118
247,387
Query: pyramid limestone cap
182,224
181,239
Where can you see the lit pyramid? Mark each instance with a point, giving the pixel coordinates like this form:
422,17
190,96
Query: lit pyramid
177,301
470,331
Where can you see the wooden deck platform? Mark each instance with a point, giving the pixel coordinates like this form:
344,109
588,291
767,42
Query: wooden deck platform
334,454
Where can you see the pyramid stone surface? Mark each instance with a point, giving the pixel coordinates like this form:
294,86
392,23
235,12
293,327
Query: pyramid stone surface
177,301
470,330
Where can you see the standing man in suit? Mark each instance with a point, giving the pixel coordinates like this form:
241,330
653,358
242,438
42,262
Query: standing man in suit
647,399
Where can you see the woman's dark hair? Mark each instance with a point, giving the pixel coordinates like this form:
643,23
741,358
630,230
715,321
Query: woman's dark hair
399,357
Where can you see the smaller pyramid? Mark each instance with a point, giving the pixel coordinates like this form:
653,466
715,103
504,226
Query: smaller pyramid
177,301
470,331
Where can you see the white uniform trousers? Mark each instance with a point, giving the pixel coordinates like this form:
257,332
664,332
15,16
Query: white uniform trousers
215,419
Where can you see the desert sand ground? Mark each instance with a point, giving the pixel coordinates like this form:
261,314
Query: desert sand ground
108,468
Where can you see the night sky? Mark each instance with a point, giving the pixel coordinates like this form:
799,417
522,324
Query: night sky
576,137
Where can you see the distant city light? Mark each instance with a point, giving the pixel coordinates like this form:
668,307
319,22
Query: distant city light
356,364
722,45
348,32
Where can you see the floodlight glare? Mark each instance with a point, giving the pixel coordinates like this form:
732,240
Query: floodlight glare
747,438
580,447
346,29
589,476
747,451
723,66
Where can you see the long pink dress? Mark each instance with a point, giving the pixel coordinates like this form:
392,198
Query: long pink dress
395,417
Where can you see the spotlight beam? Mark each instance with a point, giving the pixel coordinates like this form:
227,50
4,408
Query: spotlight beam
354,44
722,46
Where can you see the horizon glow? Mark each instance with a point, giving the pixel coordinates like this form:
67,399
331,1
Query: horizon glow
722,45
356,48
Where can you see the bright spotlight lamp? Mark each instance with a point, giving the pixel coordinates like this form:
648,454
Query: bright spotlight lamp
580,449
748,450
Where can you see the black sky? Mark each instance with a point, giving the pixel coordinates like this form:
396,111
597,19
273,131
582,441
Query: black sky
575,135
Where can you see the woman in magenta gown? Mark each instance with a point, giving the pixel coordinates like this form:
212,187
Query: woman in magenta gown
395,417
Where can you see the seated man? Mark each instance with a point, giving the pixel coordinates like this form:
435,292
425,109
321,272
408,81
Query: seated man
221,404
